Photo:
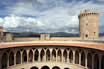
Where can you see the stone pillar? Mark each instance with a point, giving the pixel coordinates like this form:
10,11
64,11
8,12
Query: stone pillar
56,55
79,58
33,56
62,55
39,54
8,60
73,56
100,57
27,55
45,56
21,56
14,58
50,54
92,61
67,56
86,53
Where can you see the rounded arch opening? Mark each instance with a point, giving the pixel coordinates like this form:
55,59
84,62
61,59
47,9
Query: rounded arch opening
56,67
102,63
96,62
48,55
83,59
54,55
30,56
18,58
59,55
71,56
45,67
36,55
24,57
4,61
42,53
65,55
89,58
11,59
77,57
34,67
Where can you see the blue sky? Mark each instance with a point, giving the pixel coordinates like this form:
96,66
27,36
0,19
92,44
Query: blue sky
46,15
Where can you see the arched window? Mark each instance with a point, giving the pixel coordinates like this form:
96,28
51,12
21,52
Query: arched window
34,67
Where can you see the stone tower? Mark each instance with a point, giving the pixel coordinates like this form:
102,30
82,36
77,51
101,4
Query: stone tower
1,33
88,24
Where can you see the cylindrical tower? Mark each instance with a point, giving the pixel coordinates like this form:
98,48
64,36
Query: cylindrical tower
88,24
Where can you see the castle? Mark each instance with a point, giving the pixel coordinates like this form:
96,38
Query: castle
46,52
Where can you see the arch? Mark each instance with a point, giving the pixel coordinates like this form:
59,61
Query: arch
18,57
34,67
89,60
56,67
47,55
102,62
53,55
30,56
11,59
45,67
83,59
77,57
71,56
65,55
59,55
42,55
4,61
36,55
96,62
24,57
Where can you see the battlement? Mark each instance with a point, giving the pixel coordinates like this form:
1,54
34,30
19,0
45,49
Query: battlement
88,13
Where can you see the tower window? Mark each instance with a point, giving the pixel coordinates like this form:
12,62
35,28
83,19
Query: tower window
94,33
86,24
86,35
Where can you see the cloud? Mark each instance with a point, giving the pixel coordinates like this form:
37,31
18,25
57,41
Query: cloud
48,15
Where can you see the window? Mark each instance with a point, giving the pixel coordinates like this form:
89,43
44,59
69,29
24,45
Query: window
86,35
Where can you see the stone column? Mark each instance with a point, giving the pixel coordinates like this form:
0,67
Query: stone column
56,55
79,58
73,56
27,55
62,55
21,56
33,56
50,54
39,54
92,61
86,53
14,58
8,60
100,57
45,56
67,56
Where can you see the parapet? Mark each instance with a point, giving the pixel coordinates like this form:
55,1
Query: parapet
88,13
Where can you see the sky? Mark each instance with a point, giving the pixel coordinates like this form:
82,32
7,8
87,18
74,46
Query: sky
46,16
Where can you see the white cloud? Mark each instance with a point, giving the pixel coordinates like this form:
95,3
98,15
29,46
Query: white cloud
52,15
